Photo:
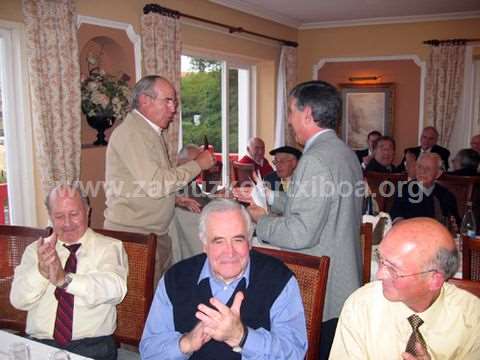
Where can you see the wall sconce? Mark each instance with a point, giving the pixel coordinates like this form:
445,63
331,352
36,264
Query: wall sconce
364,78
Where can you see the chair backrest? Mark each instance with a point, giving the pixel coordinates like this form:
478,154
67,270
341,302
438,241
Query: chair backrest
366,239
470,258
384,185
133,311
242,172
462,187
472,286
13,241
312,274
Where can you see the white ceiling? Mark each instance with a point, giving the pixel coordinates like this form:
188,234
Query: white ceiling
307,14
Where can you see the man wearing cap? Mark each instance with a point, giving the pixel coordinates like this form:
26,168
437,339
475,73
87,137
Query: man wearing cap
285,159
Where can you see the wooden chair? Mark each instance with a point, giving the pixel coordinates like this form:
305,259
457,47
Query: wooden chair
470,258
472,286
366,240
13,241
465,188
133,311
242,172
380,188
312,274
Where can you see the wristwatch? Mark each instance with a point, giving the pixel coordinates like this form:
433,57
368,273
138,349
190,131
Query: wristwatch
67,280
239,347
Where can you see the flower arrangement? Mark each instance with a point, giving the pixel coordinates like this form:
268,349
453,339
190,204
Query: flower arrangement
104,95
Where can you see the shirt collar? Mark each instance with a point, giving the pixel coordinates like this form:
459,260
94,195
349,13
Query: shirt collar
155,127
206,272
309,142
84,240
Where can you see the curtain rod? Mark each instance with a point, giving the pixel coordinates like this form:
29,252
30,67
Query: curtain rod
435,42
155,8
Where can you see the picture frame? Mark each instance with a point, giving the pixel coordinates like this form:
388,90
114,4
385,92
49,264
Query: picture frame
366,107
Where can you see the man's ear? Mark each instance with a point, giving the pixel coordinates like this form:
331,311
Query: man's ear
437,281
308,116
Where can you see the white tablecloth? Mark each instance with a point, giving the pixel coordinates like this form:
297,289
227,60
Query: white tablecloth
38,351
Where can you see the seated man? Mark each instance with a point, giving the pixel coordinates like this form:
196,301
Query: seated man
383,156
75,276
466,163
428,143
423,197
228,303
475,143
365,155
256,156
411,312
285,159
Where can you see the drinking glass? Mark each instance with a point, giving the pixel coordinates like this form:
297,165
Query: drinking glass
60,355
18,351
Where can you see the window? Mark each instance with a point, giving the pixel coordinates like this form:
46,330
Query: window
206,91
17,134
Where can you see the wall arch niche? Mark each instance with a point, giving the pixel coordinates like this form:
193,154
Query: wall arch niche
118,53
406,72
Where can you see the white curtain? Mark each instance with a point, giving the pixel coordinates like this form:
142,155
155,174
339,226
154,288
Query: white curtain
286,80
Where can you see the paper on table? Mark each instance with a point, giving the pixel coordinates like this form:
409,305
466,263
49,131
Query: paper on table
259,194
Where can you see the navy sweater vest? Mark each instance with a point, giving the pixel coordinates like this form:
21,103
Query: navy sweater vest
268,277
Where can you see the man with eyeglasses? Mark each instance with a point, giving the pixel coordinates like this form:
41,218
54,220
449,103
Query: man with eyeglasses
285,159
141,179
411,312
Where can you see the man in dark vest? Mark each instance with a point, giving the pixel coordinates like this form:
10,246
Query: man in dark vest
229,303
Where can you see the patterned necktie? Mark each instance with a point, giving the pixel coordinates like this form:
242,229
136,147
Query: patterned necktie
62,332
415,321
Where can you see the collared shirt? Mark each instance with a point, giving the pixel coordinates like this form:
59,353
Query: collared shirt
99,284
155,127
372,327
287,338
309,142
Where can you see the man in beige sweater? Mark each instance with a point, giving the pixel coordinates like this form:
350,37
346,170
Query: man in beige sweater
141,180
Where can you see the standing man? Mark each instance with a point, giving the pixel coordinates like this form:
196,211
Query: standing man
428,143
322,208
228,303
285,159
256,156
365,155
141,181
411,312
71,281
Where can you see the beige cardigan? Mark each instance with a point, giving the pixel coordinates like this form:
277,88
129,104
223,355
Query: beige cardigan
140,180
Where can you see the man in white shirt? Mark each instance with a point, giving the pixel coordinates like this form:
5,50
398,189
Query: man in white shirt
71,282
378,321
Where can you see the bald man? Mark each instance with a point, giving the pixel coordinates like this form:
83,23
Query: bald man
415,260
256,156
475,143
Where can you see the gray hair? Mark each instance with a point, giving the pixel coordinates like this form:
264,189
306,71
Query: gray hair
435,156
145,87
182,156
445,261
219,206
468,158
71,189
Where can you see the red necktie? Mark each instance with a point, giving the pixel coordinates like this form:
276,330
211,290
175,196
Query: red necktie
62,332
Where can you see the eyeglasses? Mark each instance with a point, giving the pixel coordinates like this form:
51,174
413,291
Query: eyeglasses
168,100
392,271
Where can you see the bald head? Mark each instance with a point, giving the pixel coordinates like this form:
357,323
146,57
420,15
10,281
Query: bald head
256,149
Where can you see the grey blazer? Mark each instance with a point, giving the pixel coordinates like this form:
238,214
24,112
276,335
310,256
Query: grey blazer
321,216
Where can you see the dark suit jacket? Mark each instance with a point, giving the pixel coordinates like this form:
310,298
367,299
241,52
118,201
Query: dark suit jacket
464,172
374,165
444,154
361,154
274,181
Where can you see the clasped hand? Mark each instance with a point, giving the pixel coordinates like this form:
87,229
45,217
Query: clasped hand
49,263
222,324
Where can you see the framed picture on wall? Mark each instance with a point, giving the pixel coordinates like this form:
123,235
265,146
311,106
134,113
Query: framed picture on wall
366,107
